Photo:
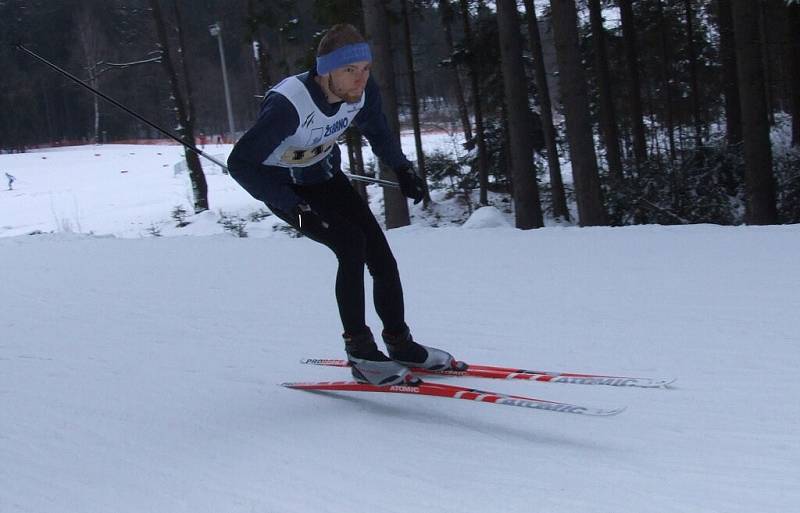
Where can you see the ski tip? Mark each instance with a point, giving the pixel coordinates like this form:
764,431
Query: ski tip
659,383
296,386
592,412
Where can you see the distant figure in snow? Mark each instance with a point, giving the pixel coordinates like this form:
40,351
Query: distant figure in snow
11,180
290,160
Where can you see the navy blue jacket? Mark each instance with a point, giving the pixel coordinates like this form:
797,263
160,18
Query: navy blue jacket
278,120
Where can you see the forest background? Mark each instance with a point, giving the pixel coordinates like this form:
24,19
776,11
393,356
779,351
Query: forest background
595,112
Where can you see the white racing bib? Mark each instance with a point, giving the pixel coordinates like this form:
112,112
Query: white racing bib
317,133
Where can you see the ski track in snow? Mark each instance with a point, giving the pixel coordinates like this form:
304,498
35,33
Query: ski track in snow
141,374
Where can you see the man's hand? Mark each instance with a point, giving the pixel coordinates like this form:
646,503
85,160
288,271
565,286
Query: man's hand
411,185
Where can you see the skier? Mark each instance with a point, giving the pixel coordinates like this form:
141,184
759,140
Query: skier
290,160
11,180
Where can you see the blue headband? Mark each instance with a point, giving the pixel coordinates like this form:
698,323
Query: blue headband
342,57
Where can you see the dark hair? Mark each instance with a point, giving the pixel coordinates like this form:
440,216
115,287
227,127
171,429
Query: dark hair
338,36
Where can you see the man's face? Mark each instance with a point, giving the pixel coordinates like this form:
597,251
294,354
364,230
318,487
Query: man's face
348,82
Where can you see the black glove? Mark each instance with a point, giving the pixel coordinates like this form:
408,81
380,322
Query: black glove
306,217
411,185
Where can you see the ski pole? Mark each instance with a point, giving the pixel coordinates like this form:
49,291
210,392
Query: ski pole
75,79
369,179
191,147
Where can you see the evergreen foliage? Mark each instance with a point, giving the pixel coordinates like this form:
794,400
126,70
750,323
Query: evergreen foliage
678,183
787,176
179,214
233,224
707,188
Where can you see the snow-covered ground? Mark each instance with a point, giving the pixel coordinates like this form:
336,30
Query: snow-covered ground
131,190
140,374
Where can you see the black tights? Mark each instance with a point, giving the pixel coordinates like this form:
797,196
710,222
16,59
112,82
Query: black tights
343,221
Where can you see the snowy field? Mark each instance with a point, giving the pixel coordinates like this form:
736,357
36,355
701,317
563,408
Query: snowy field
139,374
128,190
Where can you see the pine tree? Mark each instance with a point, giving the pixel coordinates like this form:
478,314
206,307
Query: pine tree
376,23
727,43
558,196
447,15
528,210
412,84
572,81
793,28
608,120
761,206
632,56
184,108
477,107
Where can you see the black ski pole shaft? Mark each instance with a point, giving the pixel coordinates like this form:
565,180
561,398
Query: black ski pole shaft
109,99
19,46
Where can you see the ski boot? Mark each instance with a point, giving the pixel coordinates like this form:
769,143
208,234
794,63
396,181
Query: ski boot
369,365
404,350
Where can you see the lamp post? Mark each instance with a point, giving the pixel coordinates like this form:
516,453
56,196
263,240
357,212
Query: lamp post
216,31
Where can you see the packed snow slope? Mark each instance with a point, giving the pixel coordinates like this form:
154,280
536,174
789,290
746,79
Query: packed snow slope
142,374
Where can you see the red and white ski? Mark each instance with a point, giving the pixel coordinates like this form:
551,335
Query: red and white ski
490,371
455,392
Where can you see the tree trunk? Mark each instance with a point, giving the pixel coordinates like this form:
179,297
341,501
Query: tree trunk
88,38
96,105
376,23
559,198
190,116
793,21
608,119
353,139
576,112
412,84
185,123
666,80
693,84
483,159
261,55
727,51
528,210
446,11
632,56
766,52
759,178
